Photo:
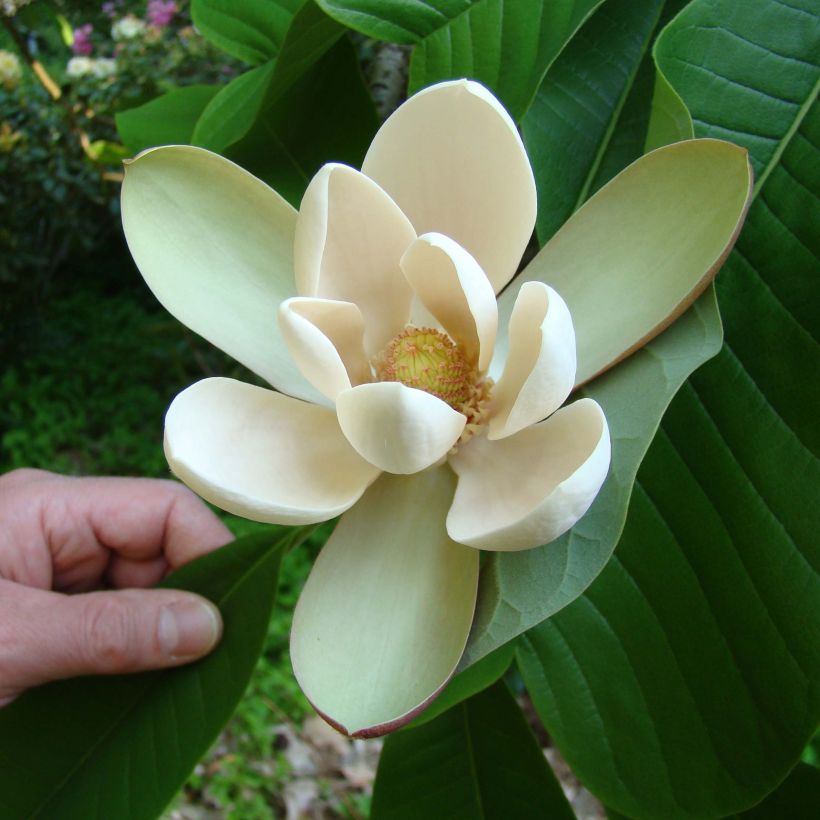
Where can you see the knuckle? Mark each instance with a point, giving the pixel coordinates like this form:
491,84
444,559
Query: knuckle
109,635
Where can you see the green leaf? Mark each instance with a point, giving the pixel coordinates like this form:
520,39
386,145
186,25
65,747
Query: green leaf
123,746
703,628
580,103
479,759
520,589
291,141
796,798
397,21
252,30
234,111
166,120
107,152
507,46
472,680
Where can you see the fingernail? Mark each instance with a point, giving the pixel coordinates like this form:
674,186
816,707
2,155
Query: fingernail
188,629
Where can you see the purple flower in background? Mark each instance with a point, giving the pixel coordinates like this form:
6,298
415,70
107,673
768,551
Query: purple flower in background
161,12
109,9
82,40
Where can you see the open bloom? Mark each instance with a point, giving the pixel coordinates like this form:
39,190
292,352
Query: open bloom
409,409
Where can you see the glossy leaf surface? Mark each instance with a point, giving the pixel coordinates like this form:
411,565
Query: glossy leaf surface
479,759
703,629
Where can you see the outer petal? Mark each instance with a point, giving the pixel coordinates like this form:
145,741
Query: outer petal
528,489
452,286
326,340
540,369
215,245
397,428
452,159
350,237
263,455
639,252
385,613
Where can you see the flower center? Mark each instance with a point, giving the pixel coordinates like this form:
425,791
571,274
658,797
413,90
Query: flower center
429,360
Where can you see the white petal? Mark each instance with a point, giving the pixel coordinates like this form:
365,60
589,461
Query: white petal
528,489
397,428
215,245
326,340
540,369
262,455
350,237
452,159
384,616
452,286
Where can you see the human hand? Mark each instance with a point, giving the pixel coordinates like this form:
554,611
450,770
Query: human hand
63,535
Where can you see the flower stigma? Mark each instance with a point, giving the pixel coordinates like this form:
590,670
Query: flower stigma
430,360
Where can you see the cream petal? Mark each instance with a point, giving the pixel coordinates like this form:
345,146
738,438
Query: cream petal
384,616
262,455
452,286
453,160
325,338
350,236
540,369
215,245
397,428
526,490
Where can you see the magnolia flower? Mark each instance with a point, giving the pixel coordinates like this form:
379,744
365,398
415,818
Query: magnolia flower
405,405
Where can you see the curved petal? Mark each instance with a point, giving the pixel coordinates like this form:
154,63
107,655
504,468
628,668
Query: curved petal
326,341
215,245
452,159
528,489
384,616
639,252
397,428
540,369
350,236
452,286
263,455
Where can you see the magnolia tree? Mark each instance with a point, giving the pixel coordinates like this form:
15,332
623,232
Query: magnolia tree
466,328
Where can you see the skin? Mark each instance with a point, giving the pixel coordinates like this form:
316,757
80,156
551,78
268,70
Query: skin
76,556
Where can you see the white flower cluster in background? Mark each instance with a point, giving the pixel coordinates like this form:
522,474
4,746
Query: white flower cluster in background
10,7
10,70
127,28
100,67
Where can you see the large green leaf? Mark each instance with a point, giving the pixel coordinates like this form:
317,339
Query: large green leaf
520,589
290,141
123,746
479,759
686,681
580,103
232,113
398,21
252,30
166,120
622,262
505,45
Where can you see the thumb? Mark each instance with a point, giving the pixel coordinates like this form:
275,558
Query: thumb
45,636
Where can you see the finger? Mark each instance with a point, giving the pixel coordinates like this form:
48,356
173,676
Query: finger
141,518
46,636
123,573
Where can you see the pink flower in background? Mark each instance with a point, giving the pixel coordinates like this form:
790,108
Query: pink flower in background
161,12
82,40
